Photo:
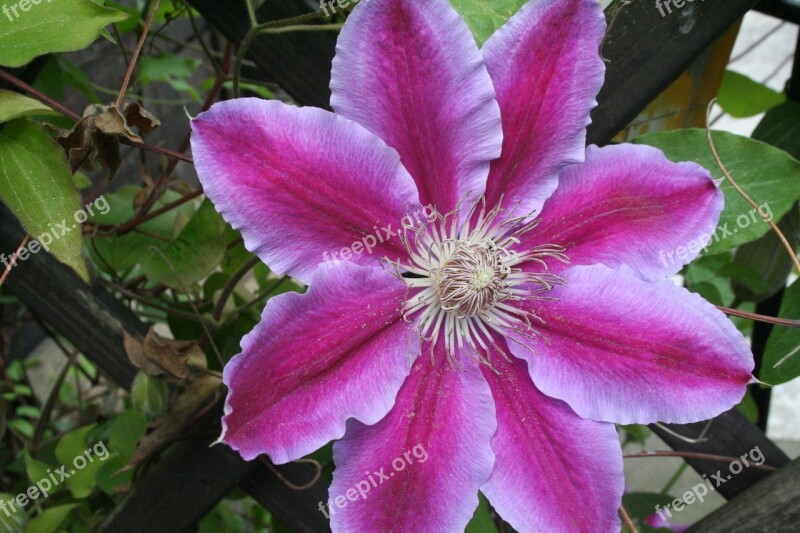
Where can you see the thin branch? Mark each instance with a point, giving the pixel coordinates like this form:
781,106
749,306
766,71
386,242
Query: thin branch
742,192
135,57
257,30
13,260
231,286
696,455
627,519
760,318
38,95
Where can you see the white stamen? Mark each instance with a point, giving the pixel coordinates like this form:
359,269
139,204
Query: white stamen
465,278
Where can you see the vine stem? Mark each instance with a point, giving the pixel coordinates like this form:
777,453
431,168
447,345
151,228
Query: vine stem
219,81
760,318
259,29
74,116
13,260
627,519
696,455
744,194
39,95
126,80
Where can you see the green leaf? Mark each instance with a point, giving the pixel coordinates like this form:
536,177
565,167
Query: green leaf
741,97
782,355
484,17
768,259
769,175
748,407
170,69
640,505
124,252
22,426
635,433
80,461
149,396
193,255
50,520
780,127
36,184
125,431
482,521
15,105
16,518
45,27
35,469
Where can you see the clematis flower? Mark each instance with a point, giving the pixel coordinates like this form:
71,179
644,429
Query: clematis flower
504,336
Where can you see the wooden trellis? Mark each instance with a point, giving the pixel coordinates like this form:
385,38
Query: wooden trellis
645,53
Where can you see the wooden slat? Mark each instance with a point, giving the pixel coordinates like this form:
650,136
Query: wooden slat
646,52
731,435
89,317
770,506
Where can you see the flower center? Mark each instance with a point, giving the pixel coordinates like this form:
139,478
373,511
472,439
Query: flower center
468,282
472,279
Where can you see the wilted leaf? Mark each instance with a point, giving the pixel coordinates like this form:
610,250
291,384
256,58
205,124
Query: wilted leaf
36,184
46,27
96,136
138,117
161,357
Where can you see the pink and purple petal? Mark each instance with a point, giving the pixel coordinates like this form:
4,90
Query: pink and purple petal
629,205
412,73
433,451
620,349
340,351
554,471
301,184
546,67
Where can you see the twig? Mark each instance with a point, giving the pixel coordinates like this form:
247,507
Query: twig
742,192
257,30
38,95
627,519
760,318
231,286
13,260
135,57
696,455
